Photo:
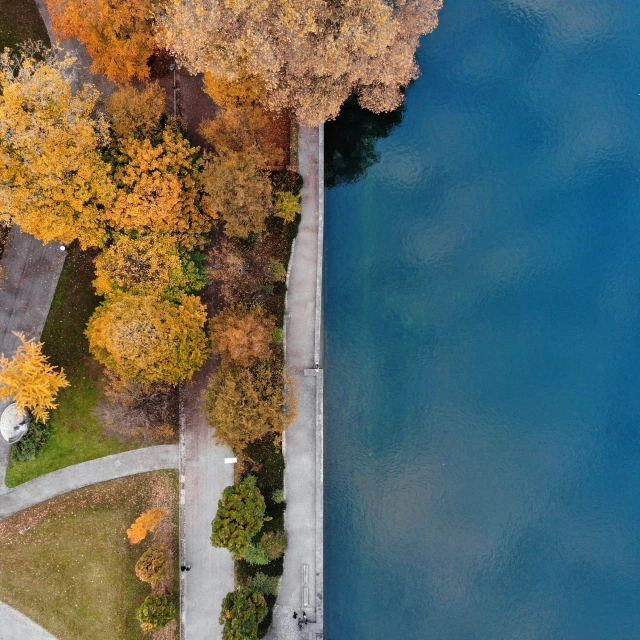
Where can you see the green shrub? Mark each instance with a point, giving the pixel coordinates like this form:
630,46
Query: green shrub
156,612
278,496
275,542
267,585
242,611
240,516
32,442
255,553
287,206
152,564
266,455
277,270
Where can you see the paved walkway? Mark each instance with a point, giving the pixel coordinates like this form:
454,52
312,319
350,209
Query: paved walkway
32,269
86,473
301,587
204,475
16,626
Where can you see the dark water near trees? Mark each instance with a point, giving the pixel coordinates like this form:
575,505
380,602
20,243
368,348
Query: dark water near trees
483,338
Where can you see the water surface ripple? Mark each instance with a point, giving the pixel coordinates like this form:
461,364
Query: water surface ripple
483,339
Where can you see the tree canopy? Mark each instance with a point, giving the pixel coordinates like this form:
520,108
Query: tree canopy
241,273
29,379
239,517
144,338
243,405
149,264
160,189
242,335
117,33
238,192
242,611
53,181
310,55
135,113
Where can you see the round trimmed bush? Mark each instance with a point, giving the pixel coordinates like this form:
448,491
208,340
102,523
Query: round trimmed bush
152,564
156,612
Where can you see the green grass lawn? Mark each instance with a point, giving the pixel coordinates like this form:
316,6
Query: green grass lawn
77,433
20,20
68,564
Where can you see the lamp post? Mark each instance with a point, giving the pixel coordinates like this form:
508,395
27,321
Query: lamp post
175,108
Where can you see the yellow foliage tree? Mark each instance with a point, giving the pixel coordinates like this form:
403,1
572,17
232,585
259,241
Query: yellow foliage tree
30,380
144,525
53,181
244,405
310,55
144,338
242,92
148,264
238,192
287,205
242,335
160,189
117,33
135,113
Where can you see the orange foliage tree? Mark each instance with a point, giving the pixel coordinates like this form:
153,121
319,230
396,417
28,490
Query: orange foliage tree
242,335
310,55
144,525
30,380
117,33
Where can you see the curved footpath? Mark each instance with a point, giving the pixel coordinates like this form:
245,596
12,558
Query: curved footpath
301,587
84,474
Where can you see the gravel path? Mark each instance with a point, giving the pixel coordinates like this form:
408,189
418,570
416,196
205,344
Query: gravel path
81,475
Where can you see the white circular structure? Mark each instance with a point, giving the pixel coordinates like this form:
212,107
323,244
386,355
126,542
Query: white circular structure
14,423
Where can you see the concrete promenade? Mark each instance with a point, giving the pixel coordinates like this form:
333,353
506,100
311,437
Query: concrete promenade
301,587
84,474
203,475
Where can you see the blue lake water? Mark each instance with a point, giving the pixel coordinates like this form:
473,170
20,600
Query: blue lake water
483,339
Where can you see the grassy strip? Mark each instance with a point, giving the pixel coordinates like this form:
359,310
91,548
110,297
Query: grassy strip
20,20
77,434
68,565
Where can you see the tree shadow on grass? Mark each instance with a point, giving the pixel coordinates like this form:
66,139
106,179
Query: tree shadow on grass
350,141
